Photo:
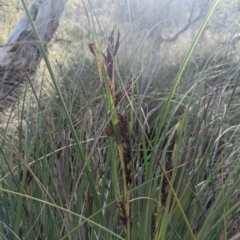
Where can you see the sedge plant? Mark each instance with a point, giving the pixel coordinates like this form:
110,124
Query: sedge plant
94,163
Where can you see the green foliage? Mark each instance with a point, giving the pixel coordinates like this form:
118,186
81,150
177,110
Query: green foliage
113,156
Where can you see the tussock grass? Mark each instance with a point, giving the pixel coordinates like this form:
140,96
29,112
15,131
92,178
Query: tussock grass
108,157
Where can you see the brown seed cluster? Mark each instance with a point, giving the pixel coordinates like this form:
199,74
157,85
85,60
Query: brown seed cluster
153,226
123,125
109,130
108,59
121,207
122,219
165,182
119,96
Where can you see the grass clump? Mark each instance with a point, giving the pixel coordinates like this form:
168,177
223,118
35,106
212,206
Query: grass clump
106,158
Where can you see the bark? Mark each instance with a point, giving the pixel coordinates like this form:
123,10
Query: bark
19,55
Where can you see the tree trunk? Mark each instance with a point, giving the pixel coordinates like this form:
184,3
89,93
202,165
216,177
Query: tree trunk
19,55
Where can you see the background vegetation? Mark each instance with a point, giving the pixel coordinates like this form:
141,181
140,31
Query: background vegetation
135,136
